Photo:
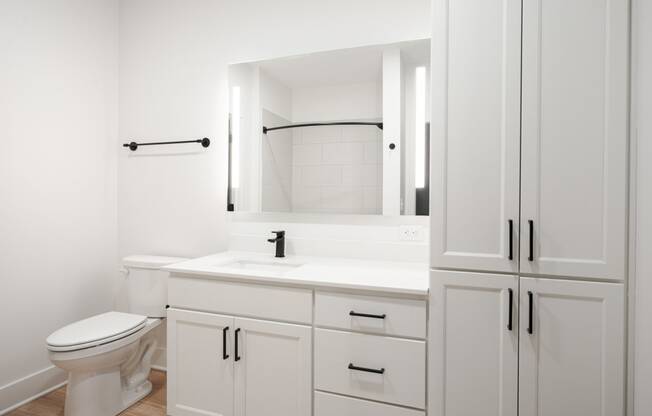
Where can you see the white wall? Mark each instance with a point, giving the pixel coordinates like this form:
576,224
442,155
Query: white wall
642,270
58,130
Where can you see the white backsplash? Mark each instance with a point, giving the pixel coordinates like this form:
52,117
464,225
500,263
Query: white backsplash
368,241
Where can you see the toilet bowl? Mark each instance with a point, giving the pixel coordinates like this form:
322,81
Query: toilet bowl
108,356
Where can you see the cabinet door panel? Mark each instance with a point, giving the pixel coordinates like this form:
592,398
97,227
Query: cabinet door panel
200,380
473,356
574,137
273,375
476,50
573,361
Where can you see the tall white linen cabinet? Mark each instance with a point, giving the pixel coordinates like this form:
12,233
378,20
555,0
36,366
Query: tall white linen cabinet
528,207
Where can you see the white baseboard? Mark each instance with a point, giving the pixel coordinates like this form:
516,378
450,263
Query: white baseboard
26,389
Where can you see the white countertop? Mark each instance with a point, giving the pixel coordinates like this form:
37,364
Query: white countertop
369,275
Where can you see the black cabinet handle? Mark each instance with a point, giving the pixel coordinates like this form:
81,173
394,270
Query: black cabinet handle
530,330
224,354
531,225
237,357
367,315
511,239
366,370
509,310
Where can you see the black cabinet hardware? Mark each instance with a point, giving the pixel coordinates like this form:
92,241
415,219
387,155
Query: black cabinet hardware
367,315
511,239
531,225
224,354
530,330
237,357
509,310
366,370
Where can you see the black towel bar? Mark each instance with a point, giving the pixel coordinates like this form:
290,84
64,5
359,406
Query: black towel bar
205,142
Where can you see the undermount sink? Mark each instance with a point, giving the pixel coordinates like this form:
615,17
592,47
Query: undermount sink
262,265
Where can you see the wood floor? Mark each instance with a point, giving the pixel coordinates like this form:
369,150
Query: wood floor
52,403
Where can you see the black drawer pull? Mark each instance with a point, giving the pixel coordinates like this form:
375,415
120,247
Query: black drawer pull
366,370
224,354
509,311
531,256
237,357
367,315
530,329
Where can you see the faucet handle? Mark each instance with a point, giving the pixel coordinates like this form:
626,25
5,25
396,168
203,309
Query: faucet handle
279,233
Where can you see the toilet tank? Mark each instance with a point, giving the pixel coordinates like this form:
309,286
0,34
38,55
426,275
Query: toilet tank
147,285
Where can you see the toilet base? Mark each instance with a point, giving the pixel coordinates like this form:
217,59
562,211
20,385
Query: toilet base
101,394
131,397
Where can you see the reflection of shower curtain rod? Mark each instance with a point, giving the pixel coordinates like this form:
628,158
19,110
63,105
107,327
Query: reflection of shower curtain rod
337,123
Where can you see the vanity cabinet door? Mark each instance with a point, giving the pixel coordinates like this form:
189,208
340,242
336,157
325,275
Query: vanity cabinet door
574,138
571,348
200,369
273,369
473,347
476,81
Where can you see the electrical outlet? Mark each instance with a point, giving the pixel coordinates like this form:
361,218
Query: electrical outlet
410,233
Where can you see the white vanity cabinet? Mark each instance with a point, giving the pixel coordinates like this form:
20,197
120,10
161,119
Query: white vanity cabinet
563,355
246,347
226,365
561,117
222,365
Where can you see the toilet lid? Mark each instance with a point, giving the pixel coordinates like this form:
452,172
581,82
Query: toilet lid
96,330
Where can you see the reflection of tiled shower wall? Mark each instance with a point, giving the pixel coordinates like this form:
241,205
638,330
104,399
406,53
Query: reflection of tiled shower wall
337,169
276,151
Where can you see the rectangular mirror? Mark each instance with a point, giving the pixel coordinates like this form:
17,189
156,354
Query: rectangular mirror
337,132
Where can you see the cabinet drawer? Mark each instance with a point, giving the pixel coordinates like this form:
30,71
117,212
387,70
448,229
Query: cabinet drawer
403,378
402,317
267,302
327,404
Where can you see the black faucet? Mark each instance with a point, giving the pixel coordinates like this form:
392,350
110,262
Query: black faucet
280,243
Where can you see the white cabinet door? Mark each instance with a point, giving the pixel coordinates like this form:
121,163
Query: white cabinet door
572,348
273,369
574,137
476,55
473,349
200,370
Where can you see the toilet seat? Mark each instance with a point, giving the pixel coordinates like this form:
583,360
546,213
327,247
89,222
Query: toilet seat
96,330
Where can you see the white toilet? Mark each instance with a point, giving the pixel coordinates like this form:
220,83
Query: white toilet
108,356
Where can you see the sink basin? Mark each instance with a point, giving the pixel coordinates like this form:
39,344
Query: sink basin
262,266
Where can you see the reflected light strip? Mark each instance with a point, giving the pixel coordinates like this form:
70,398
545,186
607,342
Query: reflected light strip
235,137
420,127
